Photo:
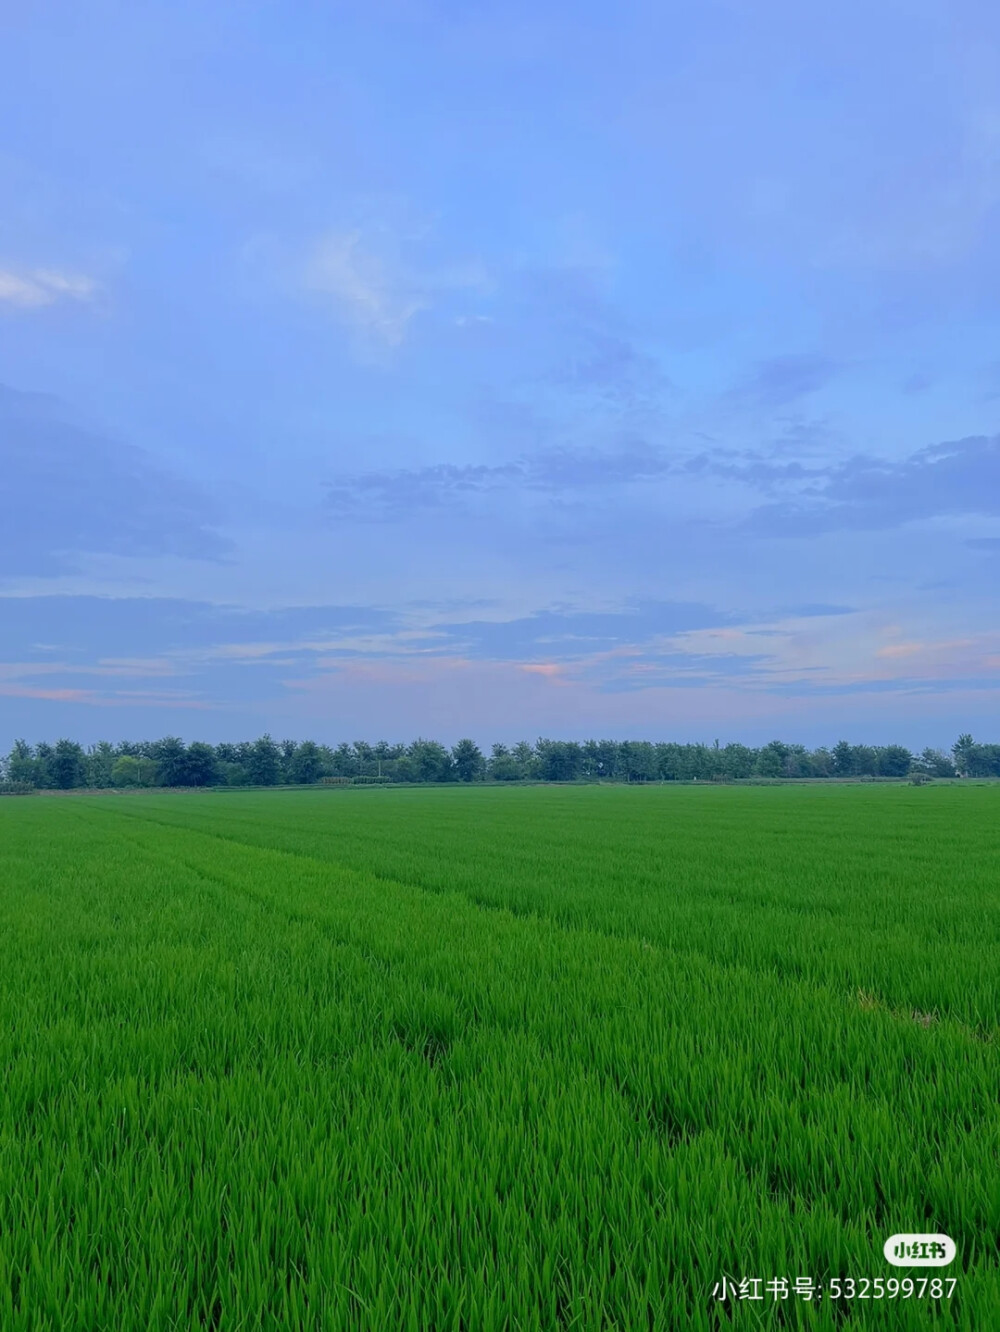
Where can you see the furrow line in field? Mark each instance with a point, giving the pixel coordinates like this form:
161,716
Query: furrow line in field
594,929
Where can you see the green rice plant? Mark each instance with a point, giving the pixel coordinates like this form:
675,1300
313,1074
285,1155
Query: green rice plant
495,1059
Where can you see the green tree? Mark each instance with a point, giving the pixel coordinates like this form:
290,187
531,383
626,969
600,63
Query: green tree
431,761
822,763
288,750
772,759
385,756
982,761
962,752
599,759
67,766
200,765
670,762
307,765
21,764
345,764
44,755
468,761
125,771
798,762
737,761
264,763
524,756
865,761
935,763
637,761
503,766
701,762
171,764
558,760
894,761
843,759
364,759
99,762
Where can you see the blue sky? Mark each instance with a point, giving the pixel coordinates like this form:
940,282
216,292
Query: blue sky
384,369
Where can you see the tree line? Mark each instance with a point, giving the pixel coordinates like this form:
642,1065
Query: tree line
266,762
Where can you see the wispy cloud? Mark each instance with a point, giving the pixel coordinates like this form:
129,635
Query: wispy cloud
561,475
919,382
123,698
375,301
375,288
570,634
201,657
959,478
584,344
11,671
384,495
69,491
49,695
783,379
591,490
371,496
31,289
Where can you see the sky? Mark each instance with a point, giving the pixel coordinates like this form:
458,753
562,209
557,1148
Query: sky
428,368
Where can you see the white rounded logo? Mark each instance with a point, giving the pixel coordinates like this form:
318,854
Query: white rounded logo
919,1250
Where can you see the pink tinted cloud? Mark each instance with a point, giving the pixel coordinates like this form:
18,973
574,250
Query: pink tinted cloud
121,699
549,670
51,695
916,649
130,667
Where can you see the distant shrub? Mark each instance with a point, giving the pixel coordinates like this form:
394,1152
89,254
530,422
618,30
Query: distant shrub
17,788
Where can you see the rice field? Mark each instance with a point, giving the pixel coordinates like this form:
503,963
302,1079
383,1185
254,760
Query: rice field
548,1058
